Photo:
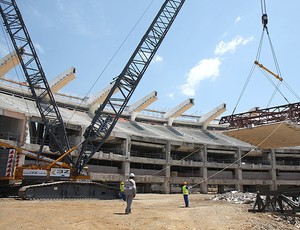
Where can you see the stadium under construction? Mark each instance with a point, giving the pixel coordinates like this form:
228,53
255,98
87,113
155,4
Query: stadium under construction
162,148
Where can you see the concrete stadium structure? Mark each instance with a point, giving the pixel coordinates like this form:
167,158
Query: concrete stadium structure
163,148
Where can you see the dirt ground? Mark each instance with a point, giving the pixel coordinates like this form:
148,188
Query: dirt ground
150,211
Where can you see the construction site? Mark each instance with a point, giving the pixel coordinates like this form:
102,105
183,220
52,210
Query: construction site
163,152
53,144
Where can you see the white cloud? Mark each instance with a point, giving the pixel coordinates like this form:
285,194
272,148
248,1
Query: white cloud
209,68
224,47
237,19
158,58
171,95
206,68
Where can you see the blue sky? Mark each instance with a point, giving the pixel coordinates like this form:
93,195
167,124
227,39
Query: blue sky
207,54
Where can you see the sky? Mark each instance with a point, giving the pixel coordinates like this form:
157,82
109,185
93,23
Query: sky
207,55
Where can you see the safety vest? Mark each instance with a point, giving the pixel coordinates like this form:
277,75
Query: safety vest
185,190
122,187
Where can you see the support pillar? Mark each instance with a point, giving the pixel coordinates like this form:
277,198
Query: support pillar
273,170
126,152
203,171
167,183
238,171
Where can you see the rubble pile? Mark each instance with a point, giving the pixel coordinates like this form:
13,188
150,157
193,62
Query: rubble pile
236,197
288,220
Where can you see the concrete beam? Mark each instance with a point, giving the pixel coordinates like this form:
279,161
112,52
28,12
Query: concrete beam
140,105
172,114
94,101
62,80
213,114
8,62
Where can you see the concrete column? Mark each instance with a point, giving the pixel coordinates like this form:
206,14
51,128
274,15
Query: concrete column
126,153
238,171
273,170
203,170
15,123
167,183
24,130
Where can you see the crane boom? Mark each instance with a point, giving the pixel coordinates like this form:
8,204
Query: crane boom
36,78
103,123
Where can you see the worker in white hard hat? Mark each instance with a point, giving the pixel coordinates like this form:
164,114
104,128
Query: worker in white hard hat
185,193
130,192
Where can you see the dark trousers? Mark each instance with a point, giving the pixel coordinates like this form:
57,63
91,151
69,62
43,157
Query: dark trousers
123,196
186,200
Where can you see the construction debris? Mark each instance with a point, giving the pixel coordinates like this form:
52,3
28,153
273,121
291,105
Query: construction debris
288,220
236,197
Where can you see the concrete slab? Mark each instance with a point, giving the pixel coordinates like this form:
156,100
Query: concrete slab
276,135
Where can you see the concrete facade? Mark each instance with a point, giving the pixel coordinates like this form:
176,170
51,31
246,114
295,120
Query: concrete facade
161,156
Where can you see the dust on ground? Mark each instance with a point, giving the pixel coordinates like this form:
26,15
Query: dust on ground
149,211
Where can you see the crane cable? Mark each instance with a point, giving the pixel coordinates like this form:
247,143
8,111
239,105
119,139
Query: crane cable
17,69
265,28
264,19
112,58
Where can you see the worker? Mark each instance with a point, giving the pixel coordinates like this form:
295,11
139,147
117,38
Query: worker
130,192
185,193
122,192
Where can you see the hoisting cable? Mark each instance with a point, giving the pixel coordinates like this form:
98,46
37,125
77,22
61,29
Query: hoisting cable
112,58
264,20
250,73
10,50
265,28
264,17
271,81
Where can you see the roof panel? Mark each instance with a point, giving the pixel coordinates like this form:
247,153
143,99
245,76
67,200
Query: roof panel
276,135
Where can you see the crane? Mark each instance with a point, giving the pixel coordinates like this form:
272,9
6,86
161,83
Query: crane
103,122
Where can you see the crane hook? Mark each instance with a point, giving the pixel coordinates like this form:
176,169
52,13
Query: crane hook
264,19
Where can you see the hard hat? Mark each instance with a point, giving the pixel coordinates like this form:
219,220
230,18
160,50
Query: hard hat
122,182
184,183
131,175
